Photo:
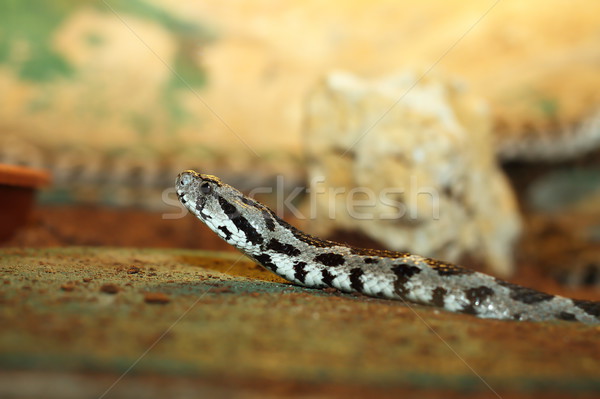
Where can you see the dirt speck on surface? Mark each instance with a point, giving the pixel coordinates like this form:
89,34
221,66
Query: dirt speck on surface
109,288
220,290
156,298
134,270
68,287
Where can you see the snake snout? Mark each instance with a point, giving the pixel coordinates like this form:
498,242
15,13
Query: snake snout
184,178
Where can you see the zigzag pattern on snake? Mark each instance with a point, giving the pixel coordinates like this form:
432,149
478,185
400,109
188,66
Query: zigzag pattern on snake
302,259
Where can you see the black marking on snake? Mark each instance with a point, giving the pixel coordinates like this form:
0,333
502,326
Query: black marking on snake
251,234
269,222
371,260
327,277
566,316
526,295
248,201
446,269
437,296
300,271
589,307
266,261
225,231
476,296
355,275
266,212
479,294
230,210
240,222
330,259
403,273
200,208
286,249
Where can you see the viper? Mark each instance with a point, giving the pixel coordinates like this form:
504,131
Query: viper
309,261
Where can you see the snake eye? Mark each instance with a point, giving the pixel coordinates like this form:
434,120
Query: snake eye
205,188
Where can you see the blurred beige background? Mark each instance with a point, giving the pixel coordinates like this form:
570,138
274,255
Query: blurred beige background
220,85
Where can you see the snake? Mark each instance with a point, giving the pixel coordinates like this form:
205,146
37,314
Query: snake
309,261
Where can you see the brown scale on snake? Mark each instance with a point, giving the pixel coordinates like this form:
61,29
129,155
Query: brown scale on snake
303,259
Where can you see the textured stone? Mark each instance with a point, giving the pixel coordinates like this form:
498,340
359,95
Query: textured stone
418,154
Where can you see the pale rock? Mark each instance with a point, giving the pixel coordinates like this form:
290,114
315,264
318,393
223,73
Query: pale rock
409,162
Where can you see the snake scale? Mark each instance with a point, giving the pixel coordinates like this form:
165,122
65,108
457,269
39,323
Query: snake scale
256,231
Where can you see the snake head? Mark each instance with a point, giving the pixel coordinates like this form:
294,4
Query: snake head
199,193
192,181
207,197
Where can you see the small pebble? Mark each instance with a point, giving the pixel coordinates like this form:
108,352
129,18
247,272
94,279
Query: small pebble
67,287
133,270
109,288
156,297
220,290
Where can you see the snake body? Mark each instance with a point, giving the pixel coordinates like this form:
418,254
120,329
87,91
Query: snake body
302,259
